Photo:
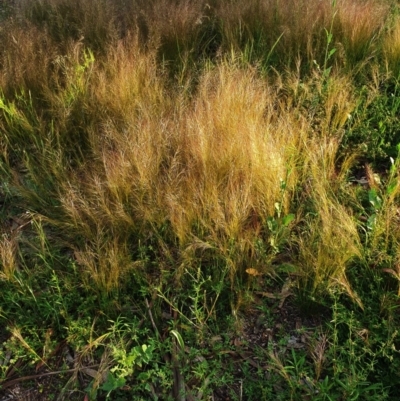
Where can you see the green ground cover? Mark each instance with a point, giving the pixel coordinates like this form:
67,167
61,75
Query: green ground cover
200,200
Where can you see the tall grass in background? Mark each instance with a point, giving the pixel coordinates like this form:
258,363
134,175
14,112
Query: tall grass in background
267,31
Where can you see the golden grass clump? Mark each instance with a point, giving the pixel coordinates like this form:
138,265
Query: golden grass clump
331,240
176,25
296,28
8,256
105,261
128,83
391,48
26,55
211,167
359,24
233,157
114,193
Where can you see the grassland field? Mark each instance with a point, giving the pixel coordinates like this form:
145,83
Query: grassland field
199,200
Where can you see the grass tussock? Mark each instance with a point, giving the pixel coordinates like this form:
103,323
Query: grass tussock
359,25
332,240
8,255
391,47
26,59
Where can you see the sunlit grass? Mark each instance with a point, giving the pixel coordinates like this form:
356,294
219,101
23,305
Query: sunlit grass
391,47
172,149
